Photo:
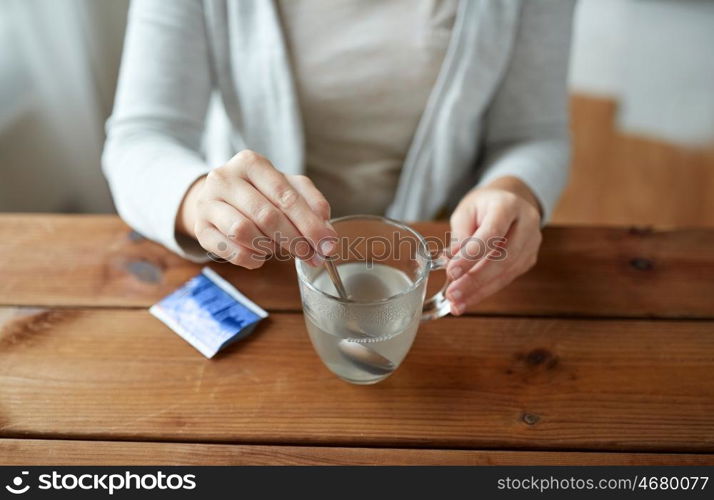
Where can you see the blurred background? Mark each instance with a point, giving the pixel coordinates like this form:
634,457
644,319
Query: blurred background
642,105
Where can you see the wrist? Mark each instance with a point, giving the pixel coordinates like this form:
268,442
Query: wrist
519,188
186,216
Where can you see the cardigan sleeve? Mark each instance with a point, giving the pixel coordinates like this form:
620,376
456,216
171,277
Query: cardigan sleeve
152,154
527,130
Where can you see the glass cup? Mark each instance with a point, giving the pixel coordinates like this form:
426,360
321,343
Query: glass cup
384,266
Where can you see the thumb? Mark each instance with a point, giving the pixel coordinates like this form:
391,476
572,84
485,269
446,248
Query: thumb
463,225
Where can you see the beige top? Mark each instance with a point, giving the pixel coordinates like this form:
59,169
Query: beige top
363,70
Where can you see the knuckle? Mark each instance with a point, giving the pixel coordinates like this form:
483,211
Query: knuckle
322,207
287,196
507,200
496,229
248,163
218,175
202,205
239,230
247,157
474,283
266,215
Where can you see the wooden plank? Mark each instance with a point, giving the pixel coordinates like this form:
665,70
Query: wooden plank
71,452
89,261
514,383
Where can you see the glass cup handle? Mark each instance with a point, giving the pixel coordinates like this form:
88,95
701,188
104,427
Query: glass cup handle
438,305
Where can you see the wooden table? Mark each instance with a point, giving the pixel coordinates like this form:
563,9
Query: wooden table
602,354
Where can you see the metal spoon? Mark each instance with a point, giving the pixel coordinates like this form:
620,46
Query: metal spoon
331,269
363,356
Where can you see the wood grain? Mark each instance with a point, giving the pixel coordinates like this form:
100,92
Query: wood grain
71,452
622,178
96,261
625,385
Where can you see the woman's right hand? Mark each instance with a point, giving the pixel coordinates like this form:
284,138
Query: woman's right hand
243,210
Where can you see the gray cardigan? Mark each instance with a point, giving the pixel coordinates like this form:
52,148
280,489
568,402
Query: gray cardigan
499,105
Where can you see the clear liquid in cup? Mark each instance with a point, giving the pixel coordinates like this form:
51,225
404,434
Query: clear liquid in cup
365,342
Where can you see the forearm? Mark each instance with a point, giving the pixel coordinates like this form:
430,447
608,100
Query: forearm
540,164
149,178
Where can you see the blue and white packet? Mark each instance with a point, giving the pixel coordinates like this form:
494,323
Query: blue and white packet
209,313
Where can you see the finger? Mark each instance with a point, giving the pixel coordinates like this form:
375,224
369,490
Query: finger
513,246
468,293
273,223
224,249
311,194
235,226
275,187
487,277
495,224
458,306
463,224
487,268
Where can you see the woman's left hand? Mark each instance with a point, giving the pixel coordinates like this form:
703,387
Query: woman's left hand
496,236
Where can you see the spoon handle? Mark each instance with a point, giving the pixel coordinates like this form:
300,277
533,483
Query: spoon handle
331,269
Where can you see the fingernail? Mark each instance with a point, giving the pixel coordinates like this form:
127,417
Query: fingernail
327,247
457,308
329,226
317,260
455,273
456,295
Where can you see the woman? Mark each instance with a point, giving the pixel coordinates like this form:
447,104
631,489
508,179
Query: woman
400,107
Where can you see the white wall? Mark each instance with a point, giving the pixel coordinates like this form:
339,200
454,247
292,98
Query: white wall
57,85
656,57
